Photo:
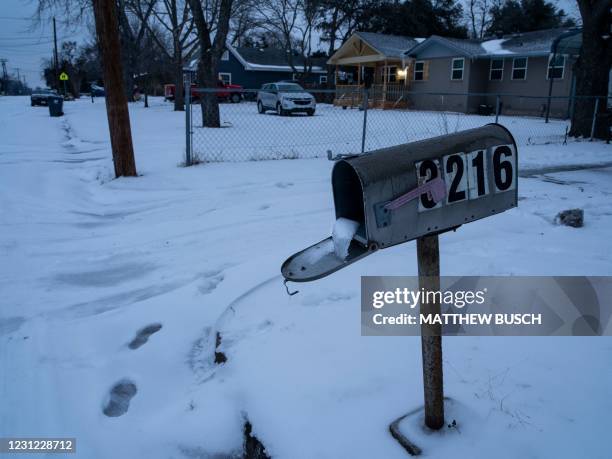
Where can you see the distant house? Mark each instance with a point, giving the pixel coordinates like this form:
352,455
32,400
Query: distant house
253,67
377,57
518,65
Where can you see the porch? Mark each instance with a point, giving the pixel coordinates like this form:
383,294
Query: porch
378,59
385,96
390,83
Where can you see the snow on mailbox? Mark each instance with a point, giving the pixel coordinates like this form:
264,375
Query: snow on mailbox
398,194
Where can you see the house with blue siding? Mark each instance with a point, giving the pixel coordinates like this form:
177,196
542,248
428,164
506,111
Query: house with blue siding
253,67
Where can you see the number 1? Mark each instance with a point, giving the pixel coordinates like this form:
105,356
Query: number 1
478,183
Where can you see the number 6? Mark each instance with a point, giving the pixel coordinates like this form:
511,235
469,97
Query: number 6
503,168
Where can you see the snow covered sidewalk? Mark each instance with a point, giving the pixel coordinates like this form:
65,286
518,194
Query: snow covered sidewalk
88,262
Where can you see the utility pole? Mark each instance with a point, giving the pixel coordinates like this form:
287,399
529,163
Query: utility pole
4,78
18,80
55,56
107,30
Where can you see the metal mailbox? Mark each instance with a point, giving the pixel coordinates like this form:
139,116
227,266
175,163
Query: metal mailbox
400,193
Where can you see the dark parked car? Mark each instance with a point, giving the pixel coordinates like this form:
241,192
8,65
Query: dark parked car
225,92
97,91
40,96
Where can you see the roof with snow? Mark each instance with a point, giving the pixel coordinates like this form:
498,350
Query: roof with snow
267,59
389,45
272,59
537,43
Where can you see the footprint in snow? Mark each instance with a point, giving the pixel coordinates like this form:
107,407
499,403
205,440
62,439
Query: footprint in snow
143,335
283,184
210,281
119,398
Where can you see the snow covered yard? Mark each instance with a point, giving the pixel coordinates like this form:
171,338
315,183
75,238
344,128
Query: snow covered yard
88,262
248,135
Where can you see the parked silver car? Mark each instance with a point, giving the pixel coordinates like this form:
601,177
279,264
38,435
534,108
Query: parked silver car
285,98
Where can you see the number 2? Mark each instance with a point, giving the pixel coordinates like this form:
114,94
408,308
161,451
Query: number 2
455,178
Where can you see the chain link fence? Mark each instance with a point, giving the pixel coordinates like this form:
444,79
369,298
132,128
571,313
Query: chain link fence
265,126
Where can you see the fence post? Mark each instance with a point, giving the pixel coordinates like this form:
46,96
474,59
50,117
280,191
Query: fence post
594,118
187,86
497,108
365,118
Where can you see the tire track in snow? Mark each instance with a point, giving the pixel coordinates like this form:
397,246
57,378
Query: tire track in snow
203,352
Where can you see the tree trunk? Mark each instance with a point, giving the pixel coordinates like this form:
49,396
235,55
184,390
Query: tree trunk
107,30
592,70
179,91
210,53
76,85
591,80
208,100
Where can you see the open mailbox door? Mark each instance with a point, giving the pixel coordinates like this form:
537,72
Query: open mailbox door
400,193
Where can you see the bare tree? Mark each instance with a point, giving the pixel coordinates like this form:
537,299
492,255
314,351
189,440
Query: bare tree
171,28
69,13
133,17
337,22
71,62
243,22
212,22
294,21
478,17
592,69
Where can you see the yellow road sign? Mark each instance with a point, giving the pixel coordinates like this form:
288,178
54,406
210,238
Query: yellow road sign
63,76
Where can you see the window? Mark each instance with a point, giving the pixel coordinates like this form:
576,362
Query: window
556,68
496,72
390,73
226,78
323,79
519,68
225,55
288,87
457,70
419,71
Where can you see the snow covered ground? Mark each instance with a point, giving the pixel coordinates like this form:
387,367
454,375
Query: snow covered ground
247,135
88,262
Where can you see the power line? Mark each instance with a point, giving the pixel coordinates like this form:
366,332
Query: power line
39,37
20,45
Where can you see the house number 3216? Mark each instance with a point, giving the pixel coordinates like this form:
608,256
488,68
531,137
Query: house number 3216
466,175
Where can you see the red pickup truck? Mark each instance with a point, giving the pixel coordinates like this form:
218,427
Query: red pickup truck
226,92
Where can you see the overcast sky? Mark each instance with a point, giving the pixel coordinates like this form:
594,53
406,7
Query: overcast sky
25,48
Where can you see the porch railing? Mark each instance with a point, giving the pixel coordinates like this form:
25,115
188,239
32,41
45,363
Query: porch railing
391,95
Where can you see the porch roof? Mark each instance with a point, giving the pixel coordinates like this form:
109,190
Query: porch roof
364,47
